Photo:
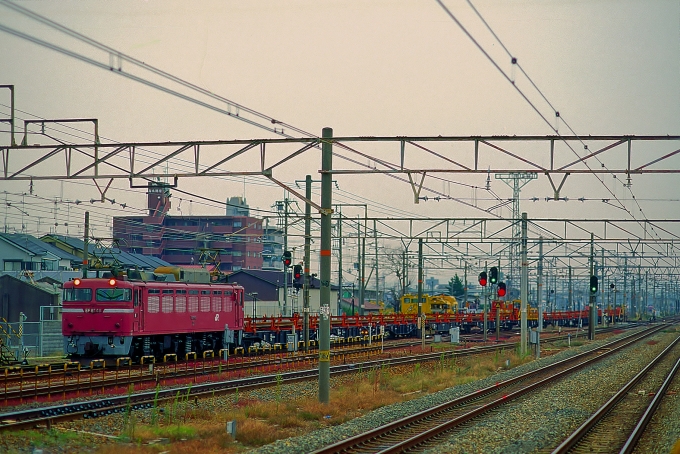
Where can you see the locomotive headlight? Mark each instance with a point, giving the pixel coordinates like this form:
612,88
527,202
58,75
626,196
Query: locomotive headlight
76,282
112,282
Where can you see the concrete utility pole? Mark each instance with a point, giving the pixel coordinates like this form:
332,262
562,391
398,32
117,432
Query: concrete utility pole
377,280
306,279
420,292
486,291
602,288
571,302
285,248
86,239
624,303
465,289
362,288
420,277
325,270
592,319
539,289
340,293
360,268
524,286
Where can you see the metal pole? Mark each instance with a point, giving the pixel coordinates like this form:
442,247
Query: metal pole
524,287
325,270
602,285
624,303
340,293
306,276
362,289
86,239
486,302
285,248
360,269
646,290
420,290
539,289
571,302
592,319
465,290
377,280
639,298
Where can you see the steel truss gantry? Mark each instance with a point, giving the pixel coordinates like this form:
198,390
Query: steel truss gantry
548,155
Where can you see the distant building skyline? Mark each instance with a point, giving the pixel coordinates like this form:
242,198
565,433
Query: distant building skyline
235,241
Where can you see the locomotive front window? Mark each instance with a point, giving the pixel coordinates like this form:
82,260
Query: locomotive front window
114,294
77,294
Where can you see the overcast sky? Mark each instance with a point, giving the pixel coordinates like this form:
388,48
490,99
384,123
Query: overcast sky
362,68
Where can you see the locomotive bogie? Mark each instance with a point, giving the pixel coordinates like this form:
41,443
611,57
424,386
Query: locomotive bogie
97,345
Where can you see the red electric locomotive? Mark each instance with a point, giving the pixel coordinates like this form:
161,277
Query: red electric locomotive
143,314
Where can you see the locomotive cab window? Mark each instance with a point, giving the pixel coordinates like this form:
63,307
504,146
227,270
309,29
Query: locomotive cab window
77,294
113,294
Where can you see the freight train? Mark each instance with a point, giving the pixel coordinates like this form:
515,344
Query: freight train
431,304
139,314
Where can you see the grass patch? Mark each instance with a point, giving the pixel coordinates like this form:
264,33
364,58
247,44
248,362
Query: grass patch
190,427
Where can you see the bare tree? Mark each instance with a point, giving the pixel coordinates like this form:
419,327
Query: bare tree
396,261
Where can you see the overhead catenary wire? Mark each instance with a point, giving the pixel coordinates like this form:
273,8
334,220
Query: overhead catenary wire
182,82
525,97
382,163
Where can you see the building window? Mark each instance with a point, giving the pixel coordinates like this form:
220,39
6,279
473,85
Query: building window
12,265
238,224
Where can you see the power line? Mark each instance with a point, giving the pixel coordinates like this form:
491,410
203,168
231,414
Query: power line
524,96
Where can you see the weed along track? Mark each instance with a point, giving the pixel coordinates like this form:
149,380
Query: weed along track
427,428
278,406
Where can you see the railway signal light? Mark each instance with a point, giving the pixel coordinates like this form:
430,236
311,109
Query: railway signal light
482,278
611,286
493,274
287,259
297,277
593,284
501,289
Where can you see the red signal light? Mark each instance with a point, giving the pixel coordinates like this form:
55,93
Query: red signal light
76,282
112,282
482,278
287,258
501,289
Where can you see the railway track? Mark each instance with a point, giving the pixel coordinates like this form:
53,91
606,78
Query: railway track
619,423
424,430
68,380
92,408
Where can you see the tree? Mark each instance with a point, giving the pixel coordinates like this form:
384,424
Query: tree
397,262
456,287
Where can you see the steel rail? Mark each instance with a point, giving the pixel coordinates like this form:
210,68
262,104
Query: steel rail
651,409
104,406
393,429
163,372
579,434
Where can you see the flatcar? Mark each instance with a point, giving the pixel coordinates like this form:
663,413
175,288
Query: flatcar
150,314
